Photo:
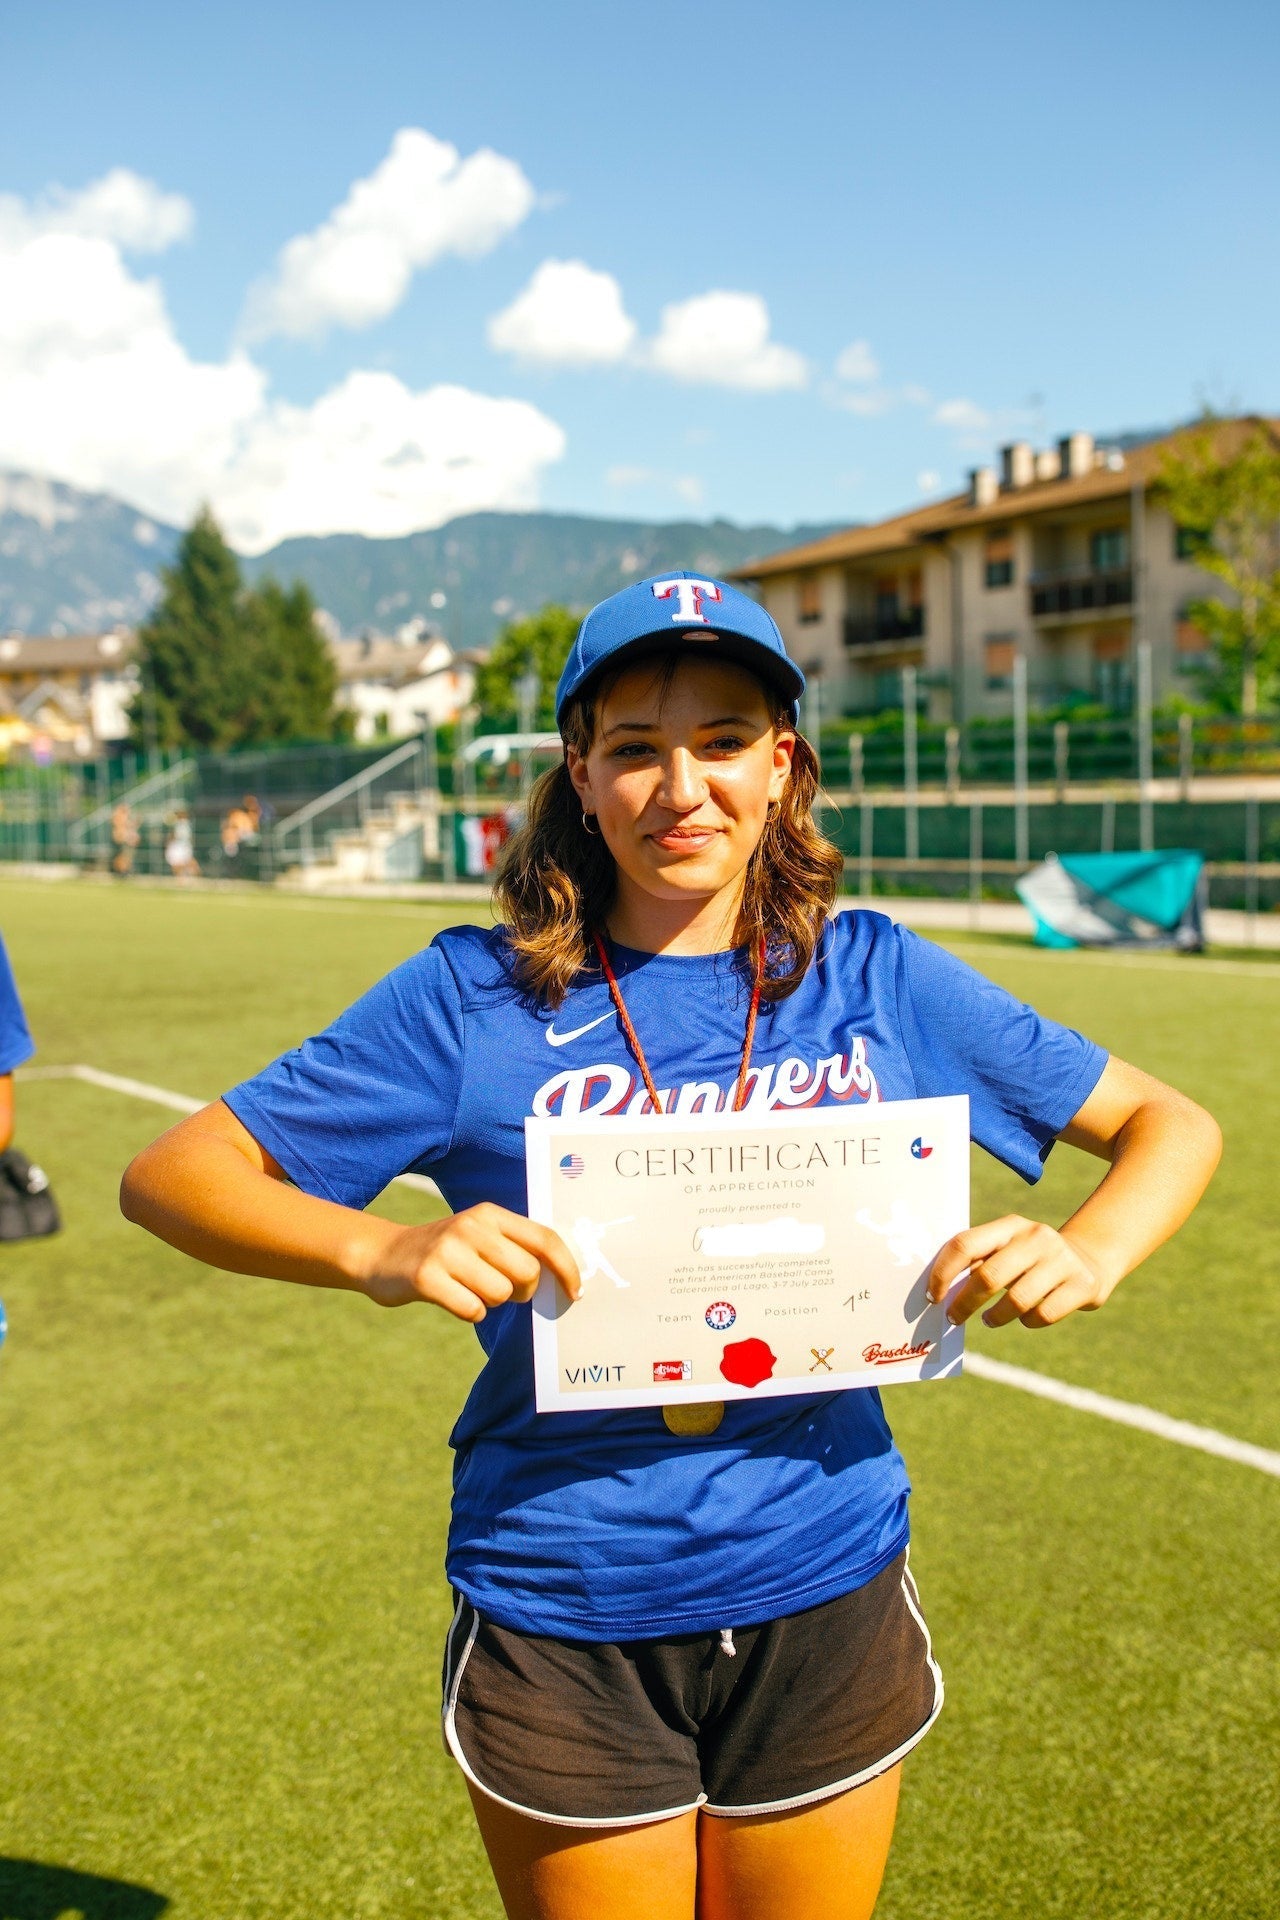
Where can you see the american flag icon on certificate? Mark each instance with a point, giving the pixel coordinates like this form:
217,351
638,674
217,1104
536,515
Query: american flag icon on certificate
571,1166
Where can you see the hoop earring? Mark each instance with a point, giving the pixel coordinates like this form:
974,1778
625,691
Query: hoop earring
594,832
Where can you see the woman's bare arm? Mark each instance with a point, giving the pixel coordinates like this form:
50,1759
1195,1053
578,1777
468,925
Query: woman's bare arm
210,1189
1163,1149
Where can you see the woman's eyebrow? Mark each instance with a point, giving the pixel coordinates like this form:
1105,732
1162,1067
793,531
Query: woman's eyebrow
648,726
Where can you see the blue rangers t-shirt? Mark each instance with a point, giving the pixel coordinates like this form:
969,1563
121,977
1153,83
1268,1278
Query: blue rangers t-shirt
605,1525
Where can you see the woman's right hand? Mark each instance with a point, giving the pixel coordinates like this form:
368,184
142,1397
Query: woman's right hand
474,1260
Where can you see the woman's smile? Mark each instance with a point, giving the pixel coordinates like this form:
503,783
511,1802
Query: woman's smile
685,836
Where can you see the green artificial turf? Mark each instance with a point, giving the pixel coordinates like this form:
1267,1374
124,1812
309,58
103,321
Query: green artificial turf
223,1501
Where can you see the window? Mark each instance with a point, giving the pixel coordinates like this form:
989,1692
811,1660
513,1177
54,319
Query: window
1187,542
1190,642
1109,549
999,558
810,597
998,655
887,597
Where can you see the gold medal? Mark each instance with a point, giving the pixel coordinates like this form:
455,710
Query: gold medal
695,1419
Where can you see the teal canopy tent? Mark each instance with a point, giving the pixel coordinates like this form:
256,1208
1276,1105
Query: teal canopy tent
1117,899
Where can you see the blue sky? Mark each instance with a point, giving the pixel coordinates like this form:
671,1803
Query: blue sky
1021,219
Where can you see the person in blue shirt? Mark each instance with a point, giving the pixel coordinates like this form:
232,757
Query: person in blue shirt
16,1045
687,1654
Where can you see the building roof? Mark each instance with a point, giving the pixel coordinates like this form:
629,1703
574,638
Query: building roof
1114,477
74,652
392,663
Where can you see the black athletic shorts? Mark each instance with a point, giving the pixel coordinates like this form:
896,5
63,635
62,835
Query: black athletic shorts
751,1720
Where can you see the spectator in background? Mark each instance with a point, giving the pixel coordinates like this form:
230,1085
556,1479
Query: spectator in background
16,1045
239,828
124,837
27,1207
179,849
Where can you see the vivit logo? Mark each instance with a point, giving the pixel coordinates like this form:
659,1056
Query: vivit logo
877,1356
594,1376
608,1089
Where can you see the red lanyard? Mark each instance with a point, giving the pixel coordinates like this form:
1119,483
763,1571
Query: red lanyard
633,1038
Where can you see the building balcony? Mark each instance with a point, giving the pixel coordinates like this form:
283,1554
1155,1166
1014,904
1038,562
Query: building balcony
860,631
1058,596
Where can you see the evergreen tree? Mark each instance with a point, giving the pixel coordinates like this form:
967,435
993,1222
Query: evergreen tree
222,667
294,674
538,646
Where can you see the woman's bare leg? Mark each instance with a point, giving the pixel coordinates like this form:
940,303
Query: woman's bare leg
824,1862
590,1873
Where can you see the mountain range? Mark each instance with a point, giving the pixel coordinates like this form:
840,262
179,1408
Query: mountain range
75,562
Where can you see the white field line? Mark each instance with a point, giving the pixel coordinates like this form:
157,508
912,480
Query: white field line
1127,1413
176,1102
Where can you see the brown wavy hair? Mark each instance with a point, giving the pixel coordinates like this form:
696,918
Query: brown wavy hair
556,884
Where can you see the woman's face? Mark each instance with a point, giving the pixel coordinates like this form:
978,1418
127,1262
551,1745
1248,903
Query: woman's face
680,781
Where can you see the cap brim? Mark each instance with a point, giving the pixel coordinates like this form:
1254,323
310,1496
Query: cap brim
775,668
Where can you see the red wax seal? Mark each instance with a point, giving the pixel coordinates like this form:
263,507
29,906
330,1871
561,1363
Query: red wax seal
748,1362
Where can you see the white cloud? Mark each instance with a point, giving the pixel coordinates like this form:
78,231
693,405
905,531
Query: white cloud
96,389
373,456
422,202
120,207
928,481
722,339
569,315
685,486
857,363
965,416
867,405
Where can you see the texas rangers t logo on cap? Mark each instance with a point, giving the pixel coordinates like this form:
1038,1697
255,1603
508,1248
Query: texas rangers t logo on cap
689,596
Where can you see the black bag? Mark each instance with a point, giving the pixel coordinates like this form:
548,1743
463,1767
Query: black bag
28,1209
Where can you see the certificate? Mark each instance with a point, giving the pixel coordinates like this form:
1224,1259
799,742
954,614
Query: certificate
735,1256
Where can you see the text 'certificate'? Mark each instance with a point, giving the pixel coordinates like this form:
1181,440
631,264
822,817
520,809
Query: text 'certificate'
732,1256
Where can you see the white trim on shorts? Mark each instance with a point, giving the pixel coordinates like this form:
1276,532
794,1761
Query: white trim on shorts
912,1597
453,1681
449,1721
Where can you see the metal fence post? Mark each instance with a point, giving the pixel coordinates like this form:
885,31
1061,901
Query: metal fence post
1186,755
1020,834
1251,839
1107,837
975,862
910,764
1146,821
866,847
1061,757
953,763
813,715
448,851
857,773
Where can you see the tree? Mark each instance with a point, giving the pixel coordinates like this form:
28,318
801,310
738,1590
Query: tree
222,667
295,672
1228,500
539,645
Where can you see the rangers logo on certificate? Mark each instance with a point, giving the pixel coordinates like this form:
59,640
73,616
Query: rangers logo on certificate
733,1256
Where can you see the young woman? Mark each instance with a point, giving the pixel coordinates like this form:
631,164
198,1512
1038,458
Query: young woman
687,1655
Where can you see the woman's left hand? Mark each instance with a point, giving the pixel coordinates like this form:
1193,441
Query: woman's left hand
1042,1274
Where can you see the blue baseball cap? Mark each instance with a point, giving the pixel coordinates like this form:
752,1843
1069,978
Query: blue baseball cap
685,609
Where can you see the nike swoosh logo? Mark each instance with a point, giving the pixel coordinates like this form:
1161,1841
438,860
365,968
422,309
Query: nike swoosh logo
555,1039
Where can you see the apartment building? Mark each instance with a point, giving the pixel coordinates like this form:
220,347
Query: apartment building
1061,557
66,694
